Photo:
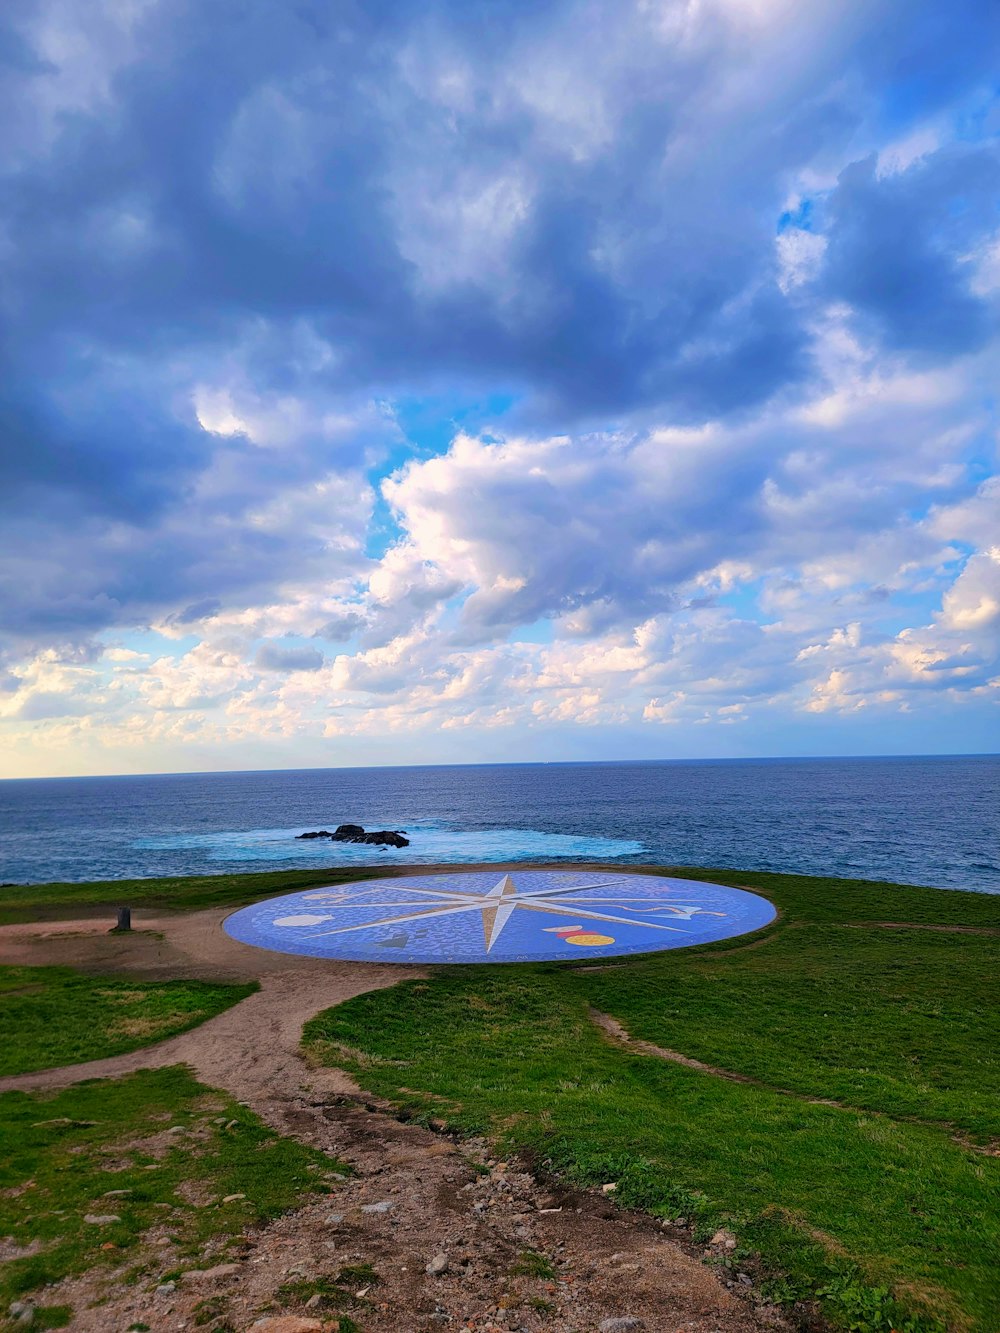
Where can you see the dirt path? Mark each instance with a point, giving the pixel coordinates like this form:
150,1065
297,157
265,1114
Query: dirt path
622,1037
919,925
436,1198
250,1050
615,1032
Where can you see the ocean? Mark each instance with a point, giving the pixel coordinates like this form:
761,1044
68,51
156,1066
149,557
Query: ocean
910,820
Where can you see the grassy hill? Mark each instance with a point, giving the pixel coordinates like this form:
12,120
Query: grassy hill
827,1088
884,1207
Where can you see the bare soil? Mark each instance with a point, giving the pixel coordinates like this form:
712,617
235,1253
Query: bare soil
485,1221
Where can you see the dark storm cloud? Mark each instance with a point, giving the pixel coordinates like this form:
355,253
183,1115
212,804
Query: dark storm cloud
899,246
356,200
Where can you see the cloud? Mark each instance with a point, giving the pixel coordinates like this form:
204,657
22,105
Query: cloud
605,530
545,533
558,365
272,657
896,247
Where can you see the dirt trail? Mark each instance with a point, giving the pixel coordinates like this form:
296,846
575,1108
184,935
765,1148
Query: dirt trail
250,1050
622,1037
919,925
436,1197
615,1032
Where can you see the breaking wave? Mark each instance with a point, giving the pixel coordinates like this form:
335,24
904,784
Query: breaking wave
429,843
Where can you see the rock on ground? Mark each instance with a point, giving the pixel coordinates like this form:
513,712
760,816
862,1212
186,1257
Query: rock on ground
287,1324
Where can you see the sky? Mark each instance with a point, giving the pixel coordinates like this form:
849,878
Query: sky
467,382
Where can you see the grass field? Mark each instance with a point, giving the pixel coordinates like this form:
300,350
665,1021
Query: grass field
53,1016
61,1154
887,1209
802,898
34,902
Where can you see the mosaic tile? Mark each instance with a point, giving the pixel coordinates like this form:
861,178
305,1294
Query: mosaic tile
497,917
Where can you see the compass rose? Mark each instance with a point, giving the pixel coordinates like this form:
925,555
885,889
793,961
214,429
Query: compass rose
498,906
499,916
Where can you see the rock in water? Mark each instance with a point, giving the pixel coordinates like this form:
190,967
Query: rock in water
381,838
386,838
355,833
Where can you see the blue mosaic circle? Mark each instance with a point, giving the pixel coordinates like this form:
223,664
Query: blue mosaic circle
519,916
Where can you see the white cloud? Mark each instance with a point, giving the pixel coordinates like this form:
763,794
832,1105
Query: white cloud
972,603
800,257
903,153
630,546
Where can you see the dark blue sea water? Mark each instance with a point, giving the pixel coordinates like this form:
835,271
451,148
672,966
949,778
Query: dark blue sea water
912,820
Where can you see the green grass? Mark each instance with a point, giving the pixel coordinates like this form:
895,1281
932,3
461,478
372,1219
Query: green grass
335,1290
34,902
803,898
901,1021
816,899
529,1263
53,1016
881,1212
61,1154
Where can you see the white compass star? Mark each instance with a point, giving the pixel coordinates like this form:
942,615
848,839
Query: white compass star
498,906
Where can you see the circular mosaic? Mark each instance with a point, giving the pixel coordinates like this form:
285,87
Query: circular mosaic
496,917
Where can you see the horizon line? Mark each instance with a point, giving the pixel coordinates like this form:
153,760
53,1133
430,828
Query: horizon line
508,763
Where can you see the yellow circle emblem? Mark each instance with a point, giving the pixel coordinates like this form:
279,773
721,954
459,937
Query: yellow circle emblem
588,937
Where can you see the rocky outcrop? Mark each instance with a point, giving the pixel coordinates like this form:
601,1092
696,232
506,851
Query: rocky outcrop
379,838
355,833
